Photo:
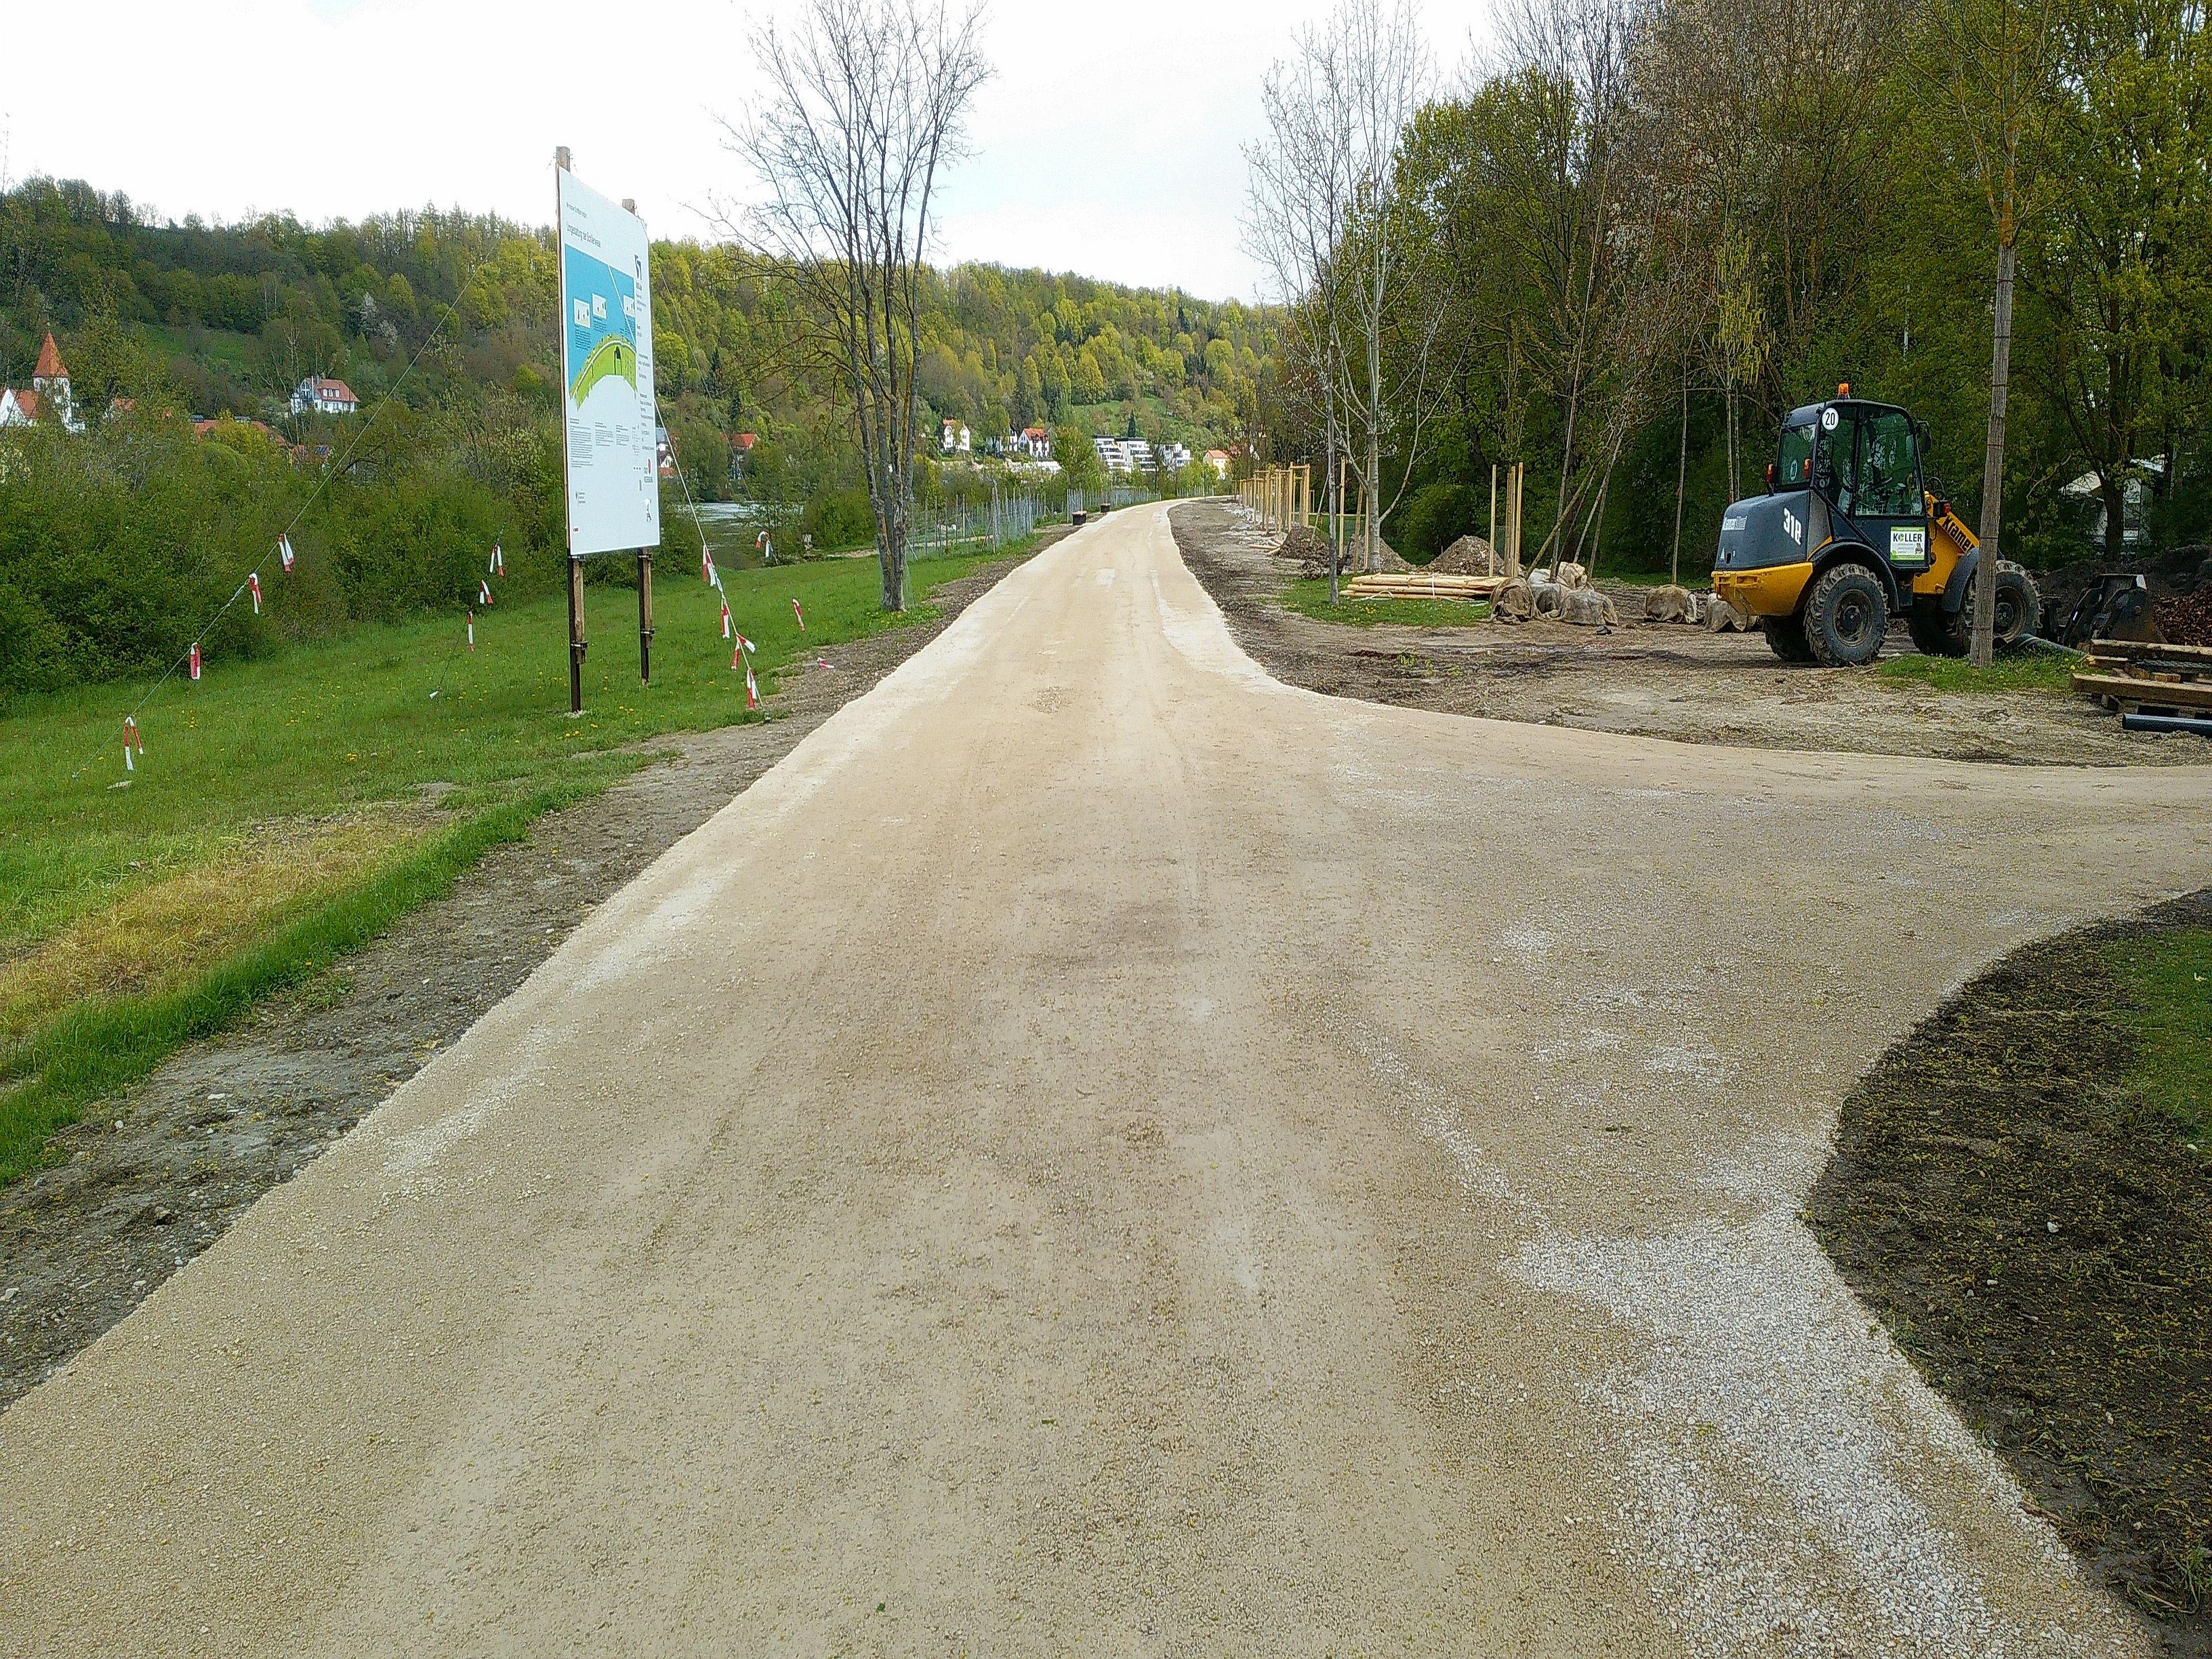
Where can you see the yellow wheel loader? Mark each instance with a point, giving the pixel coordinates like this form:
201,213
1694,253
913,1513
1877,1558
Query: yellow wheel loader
1848,536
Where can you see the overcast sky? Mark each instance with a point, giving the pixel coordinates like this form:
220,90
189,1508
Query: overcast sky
1106,144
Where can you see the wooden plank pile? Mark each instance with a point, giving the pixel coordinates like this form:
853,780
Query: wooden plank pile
1421,585
2135,676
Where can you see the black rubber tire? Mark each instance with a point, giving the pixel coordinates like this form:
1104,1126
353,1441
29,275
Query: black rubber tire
2020,607
2019,612
1846,616
1785,637
1935,631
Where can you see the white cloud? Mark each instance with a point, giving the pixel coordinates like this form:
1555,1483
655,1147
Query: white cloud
1106,144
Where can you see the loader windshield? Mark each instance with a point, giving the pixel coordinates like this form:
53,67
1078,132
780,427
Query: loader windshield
1794,455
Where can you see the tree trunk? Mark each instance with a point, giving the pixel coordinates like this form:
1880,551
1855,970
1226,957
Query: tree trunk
1729,495
1372,488
1985,571
1332,485
1682,473
2113,493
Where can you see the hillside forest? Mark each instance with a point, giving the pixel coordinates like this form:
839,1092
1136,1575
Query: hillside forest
114,542
1626,242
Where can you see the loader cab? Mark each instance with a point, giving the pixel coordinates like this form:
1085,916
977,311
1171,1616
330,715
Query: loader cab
1863,461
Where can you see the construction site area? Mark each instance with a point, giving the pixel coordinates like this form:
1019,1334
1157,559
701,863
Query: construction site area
2124,676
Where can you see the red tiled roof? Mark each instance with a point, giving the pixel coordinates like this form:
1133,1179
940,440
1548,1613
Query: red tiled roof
330,391
49,362
747,440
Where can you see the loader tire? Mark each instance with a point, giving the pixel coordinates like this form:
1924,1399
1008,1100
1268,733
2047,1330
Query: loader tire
1846,616
2020,613
1785,637
2020,607
1934,630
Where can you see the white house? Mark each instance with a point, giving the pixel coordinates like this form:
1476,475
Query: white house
321,396
1219,460
955,437
1035,442
1174,457
49,394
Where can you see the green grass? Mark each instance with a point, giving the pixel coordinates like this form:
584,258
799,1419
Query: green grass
2024,670
220,346
350,726
2169,983
1311,598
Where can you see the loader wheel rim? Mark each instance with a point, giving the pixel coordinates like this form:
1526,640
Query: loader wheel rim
1853,619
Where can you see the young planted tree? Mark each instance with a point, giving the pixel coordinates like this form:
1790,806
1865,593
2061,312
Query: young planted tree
866,103
1340,106
1298,206
1993,62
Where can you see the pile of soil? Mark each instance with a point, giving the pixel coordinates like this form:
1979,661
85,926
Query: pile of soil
2185,618
1308,547
2180,571
2034,1236
1470,555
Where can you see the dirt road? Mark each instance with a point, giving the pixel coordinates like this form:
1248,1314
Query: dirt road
1099,1151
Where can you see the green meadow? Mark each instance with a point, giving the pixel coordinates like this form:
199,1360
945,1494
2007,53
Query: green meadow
288,809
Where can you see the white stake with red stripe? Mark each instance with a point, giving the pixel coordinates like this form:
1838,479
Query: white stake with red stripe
130,741
284,552
192,660
725,619
752,688
253,587
801,615
498,567
483,593
472,630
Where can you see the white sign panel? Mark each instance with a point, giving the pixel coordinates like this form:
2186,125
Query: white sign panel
606,374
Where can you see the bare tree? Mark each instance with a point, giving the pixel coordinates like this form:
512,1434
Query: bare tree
1298,208
867,102
1338,108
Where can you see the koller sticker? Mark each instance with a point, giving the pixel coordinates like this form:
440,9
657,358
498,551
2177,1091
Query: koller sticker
1908,544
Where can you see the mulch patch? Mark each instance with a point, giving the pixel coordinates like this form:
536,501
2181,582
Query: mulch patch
2039,1241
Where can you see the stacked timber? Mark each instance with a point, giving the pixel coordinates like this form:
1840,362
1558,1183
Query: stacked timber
2134,676
1422,585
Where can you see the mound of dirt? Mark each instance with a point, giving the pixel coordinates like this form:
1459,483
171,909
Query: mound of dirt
2179,572
2186,618
1470,555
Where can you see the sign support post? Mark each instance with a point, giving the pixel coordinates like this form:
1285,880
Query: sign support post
610,467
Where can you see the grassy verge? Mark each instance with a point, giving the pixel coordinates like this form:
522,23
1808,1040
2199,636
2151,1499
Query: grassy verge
2168,980
2026,670
398,740
97,1048
1311,598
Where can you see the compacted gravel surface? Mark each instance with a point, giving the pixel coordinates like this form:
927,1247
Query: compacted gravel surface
1100,1151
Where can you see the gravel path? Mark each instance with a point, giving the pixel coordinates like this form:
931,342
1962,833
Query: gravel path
1100,1151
